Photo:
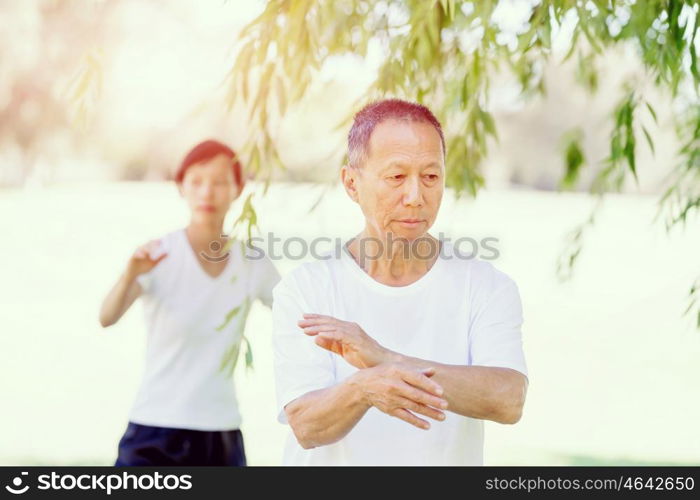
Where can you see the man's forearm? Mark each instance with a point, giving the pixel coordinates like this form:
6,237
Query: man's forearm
325,416
483,392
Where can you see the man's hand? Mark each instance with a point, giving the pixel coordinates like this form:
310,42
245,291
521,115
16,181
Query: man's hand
345,339
402,391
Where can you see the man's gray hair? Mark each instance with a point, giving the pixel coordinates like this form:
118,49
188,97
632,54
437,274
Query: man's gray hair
375,113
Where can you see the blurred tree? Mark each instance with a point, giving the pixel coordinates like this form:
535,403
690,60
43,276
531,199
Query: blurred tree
54,36
447,54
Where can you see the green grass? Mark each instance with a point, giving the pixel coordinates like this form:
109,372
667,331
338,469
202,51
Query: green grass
613,364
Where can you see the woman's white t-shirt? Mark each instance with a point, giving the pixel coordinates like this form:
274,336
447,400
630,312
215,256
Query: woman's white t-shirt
186,382
461,312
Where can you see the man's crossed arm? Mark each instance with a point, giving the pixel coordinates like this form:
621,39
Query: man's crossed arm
398,385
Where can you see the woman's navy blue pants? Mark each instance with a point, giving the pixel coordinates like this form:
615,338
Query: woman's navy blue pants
146,445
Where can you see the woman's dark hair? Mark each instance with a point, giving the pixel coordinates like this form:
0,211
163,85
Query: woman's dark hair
205,151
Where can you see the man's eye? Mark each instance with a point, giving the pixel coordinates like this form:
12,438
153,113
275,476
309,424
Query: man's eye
432,177
397,177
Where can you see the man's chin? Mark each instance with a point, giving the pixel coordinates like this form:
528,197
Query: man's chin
411,234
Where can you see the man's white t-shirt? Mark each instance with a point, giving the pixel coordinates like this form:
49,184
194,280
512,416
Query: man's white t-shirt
184,384
461,312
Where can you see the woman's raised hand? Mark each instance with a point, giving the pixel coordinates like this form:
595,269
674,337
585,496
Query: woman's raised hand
145,258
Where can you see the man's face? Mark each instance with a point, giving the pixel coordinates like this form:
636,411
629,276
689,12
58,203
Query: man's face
209,188
399,186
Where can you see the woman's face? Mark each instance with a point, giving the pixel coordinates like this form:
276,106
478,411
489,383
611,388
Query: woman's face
209,188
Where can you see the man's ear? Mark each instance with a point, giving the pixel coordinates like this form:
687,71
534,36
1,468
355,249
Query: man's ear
348,177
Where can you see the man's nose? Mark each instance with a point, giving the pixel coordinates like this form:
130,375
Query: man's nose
413,194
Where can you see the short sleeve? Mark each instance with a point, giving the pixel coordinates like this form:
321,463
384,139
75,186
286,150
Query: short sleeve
495,337
267,278
300,365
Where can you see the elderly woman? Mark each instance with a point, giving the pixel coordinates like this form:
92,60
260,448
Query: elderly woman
397,350
186,411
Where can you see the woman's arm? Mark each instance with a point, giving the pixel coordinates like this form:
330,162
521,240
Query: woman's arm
119,299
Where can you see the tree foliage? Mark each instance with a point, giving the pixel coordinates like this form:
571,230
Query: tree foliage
447,53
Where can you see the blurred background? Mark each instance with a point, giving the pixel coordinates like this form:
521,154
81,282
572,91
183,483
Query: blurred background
100,100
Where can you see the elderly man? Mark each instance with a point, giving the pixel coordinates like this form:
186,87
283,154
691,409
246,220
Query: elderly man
395,351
